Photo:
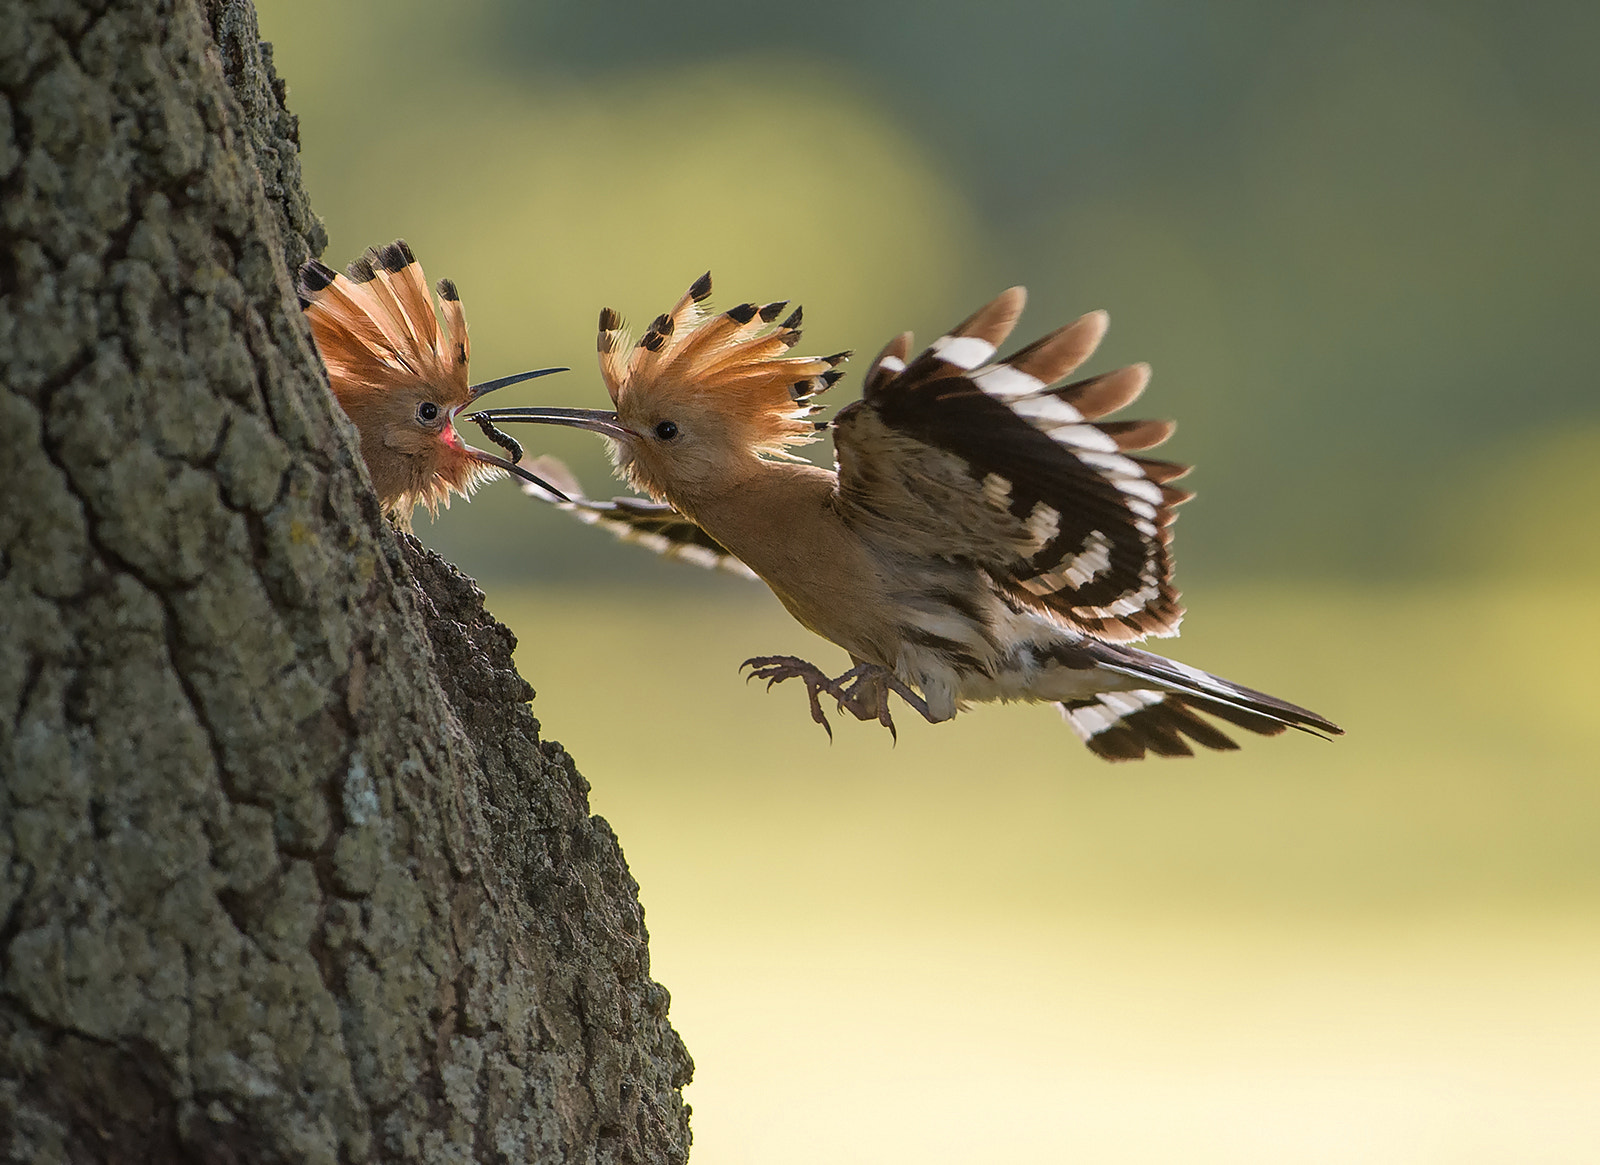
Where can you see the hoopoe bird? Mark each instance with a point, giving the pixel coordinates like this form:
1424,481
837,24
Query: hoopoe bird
984,535
402,379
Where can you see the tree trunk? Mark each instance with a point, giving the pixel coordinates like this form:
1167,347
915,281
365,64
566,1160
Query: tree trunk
286,873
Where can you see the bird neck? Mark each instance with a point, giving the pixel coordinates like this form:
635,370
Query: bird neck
748,487
753,493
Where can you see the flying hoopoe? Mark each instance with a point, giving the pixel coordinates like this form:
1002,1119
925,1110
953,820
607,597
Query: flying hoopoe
984,535
401,378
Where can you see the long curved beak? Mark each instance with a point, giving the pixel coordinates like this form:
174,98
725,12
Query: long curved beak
489,386
595,420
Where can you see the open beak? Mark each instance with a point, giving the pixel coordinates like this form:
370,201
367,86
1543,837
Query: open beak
510,446
489,386
595,420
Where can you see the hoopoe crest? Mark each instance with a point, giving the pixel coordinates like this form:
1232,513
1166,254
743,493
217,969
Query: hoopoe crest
400,376
710,392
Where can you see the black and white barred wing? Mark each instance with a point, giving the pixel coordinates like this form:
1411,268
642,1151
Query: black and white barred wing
652,525
968,458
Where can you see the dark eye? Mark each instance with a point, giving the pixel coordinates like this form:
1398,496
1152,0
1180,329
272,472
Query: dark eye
666,430
427,411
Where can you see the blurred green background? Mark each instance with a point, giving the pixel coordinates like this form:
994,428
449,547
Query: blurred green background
1358,243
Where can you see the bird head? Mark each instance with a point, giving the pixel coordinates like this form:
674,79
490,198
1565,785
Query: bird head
400,377
699,396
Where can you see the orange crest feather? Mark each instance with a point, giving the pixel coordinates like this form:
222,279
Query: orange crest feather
376,328
378,333
733,362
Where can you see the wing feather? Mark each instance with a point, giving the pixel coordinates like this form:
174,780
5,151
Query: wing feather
654,525
962,456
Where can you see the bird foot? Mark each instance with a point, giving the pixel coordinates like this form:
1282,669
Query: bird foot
777,668
863,691
867,695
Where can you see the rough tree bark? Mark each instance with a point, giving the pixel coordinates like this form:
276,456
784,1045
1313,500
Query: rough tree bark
286,873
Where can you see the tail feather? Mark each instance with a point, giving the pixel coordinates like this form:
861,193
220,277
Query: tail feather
1127,725
1121,726
1262,725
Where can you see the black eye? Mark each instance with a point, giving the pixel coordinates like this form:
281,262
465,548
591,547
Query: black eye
427,411
666,430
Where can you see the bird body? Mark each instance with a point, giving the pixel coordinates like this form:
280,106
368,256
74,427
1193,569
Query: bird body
939,624
815,559
984,536
400,377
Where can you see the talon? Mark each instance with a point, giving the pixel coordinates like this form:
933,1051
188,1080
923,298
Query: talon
820,718
863,691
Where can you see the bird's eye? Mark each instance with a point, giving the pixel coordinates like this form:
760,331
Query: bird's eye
427,411
666,430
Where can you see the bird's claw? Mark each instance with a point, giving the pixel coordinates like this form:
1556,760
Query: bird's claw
863,691
777,668
867,696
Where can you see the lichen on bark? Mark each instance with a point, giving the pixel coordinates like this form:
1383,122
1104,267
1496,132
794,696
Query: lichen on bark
286,872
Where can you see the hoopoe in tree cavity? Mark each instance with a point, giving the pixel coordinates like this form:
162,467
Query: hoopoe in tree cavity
984,535
401,378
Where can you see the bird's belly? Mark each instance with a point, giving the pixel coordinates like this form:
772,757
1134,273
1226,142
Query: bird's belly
1048,682
1009,655
835,589
842,618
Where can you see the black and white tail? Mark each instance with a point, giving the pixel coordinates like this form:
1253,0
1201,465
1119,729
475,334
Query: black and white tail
1164,720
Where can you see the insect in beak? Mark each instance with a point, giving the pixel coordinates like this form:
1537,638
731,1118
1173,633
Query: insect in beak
599,421
511,467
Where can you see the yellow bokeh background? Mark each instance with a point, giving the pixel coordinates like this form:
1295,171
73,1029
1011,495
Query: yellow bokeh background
980,944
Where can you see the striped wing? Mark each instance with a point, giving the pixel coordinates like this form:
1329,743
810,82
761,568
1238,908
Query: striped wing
956,455
654,525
